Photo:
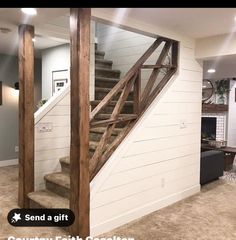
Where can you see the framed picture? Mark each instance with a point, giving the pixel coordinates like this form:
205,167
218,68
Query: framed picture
59,80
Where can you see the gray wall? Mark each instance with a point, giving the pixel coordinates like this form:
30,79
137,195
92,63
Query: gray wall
53,59
9,108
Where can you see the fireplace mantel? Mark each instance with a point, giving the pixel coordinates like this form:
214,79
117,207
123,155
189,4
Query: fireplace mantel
214,108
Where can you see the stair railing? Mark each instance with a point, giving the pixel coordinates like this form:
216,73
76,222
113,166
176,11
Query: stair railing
132,82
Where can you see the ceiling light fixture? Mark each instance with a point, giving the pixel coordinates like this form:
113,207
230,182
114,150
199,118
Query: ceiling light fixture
33,39
211,70
29,11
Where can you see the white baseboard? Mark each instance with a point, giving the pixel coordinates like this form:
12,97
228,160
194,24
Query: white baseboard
10,162
142,211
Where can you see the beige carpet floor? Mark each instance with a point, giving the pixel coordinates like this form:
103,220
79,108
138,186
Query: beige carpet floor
209,215
8,201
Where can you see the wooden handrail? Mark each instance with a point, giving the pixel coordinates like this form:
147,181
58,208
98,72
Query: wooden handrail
112,121
126,78
132,82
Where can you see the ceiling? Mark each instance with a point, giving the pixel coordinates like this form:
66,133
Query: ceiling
194,22
51,28
52,24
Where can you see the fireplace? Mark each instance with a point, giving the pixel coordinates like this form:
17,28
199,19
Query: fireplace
209,128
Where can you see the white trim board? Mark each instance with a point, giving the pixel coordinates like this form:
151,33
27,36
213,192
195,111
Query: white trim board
142,211
10,162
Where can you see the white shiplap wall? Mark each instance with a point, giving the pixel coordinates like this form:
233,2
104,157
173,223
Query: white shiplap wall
158,163
50,146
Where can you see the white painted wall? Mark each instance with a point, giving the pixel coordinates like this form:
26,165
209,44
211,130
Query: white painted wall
54,59
232,116
158,163
50,146
124,48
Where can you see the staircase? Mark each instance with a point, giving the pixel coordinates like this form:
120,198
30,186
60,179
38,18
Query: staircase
56,194
118,105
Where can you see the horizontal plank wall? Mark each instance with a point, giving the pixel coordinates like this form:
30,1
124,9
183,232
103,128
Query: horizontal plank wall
50,146
124,48
158,163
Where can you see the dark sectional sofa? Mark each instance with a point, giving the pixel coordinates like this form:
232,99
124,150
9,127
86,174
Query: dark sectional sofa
212,165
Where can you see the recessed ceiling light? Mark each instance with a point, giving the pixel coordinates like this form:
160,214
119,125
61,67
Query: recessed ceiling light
33,39
29,11
211,70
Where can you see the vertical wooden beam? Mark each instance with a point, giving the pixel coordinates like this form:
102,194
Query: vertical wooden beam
137,92
175,54
79,161
26,114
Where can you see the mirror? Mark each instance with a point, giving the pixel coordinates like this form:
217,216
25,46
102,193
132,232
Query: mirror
207,90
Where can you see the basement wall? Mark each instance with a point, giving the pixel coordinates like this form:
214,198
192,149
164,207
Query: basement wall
9,108
159,161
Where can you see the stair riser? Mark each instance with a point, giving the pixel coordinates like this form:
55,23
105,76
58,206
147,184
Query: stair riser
104,73
104,84
98,56
109,109
106,65
99,95
65,168
34,204
59,190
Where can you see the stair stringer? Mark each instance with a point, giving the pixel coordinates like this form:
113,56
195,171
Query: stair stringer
119,194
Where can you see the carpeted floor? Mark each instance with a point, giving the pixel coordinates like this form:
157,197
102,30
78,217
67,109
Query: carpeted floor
8,201
209,215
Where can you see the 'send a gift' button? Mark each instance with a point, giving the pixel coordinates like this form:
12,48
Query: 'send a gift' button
41,217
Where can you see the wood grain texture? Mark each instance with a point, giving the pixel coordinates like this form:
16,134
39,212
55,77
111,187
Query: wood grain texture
26,114
140,102
79,162
126,78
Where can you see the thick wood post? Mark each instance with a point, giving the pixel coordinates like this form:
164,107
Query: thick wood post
79,161
26,114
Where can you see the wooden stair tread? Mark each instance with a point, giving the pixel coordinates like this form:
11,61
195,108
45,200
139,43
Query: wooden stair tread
93,145
107,115
48,199
107,70
107,79
103,61
97,52
102,89
116,131
111,103
59,178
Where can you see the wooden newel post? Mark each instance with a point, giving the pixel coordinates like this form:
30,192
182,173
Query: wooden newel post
79,161
26,114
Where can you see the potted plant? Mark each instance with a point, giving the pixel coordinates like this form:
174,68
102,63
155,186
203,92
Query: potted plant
41,103
222,89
